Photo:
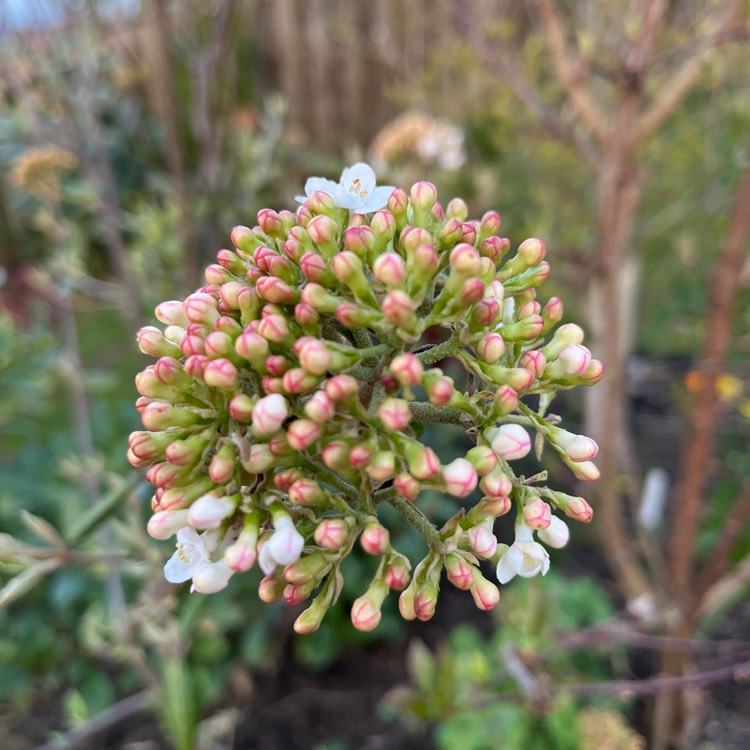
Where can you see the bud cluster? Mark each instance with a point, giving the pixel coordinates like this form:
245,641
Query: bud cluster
288,394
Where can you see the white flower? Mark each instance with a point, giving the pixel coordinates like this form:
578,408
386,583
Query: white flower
192,560
283,548
556,534
524,558
356,190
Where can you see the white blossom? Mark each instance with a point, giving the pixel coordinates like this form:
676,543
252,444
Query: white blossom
356,190
525,557
192,561
283,548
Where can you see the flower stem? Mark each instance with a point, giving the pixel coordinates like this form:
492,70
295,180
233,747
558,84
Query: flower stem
441,351
427,413
413,515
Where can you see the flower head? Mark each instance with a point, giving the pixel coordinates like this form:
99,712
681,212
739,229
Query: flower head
192,561
524,558
356,190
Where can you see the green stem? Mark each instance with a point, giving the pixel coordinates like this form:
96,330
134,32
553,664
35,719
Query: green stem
361,338
413,516
441,351
427,413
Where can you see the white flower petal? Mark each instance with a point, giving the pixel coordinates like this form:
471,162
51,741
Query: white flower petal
509,564
211,577
266,560
177,570
321,184
344,199
377,199
360,177
286,545
535,558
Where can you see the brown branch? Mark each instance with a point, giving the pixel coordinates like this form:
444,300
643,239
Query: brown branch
702,421
718,562
500,64
686,77
569,78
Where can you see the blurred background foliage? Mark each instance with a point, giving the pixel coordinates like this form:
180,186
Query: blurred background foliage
133,137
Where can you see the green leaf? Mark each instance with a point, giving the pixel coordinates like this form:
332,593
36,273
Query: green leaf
24,582
43,529
179,709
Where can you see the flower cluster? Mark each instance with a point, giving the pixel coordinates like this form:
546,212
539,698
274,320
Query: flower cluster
288,395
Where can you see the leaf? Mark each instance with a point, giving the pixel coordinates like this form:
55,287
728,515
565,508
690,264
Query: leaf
99,513
24,582
43,529
179,710
10,547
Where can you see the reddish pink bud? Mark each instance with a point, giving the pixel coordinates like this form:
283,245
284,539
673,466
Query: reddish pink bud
192,344
320,408
460,478
185,452
398,308
360,457
574,360
375,538
490,223
366,613
306,492
159,415
440,390
506,400
425,602
471,292
171,313
496,484
221,373
482,540
457,208
285,479
382,466
496,506
494,248
270,221
483,459
360,240
321,203
166,523
407,486
221,468
413,237
322,230
240,556
465,260
195,365
491,347
537,514
302,433
331,533
276,291
252,347
294,595
274,328
397,575
424,463
277,365
342,388
336,455
314,267
425,260
271,384
530,307
298,380
390,269
578,509
219,344
217,275
469,232
383,224
200,308
577,447
269,414
484,313
398,202
485,594
165,475
315,357
407,369
307,317
459,572
423,196
394,413
511,442
141,403
151,341
535,362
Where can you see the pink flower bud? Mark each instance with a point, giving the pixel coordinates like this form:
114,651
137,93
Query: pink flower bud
336,455
200,308
331,533
360,457
315,357
294,595
342,388
273,385
531,252
568,334
423,196
482,540
320,408
299,380
460,478
151,341
578,509
159,415
506,400
221,468
459,572
218,344
413,237
535,361
303,433
574,359
485,594
495,506
457,208
465,260
537,514
366,613
511,442
425,601
530,307
307,317
283,480
469,232
271,589
253,348
274,328
276,291
397,575
490,223
556,534
207,512
491,347
394,413
390,269
360,240
259,459
584,470
184,452
321,203
425,260
424,463
323,231
241,555
594,373
398,308
484,313
496,484
314,267
216,274
279,445
375,538
440,388
451,233
221,373
576,447
171,313
407,486
166,523
483,459
269,414
165,475
382,466
407,369
270,221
